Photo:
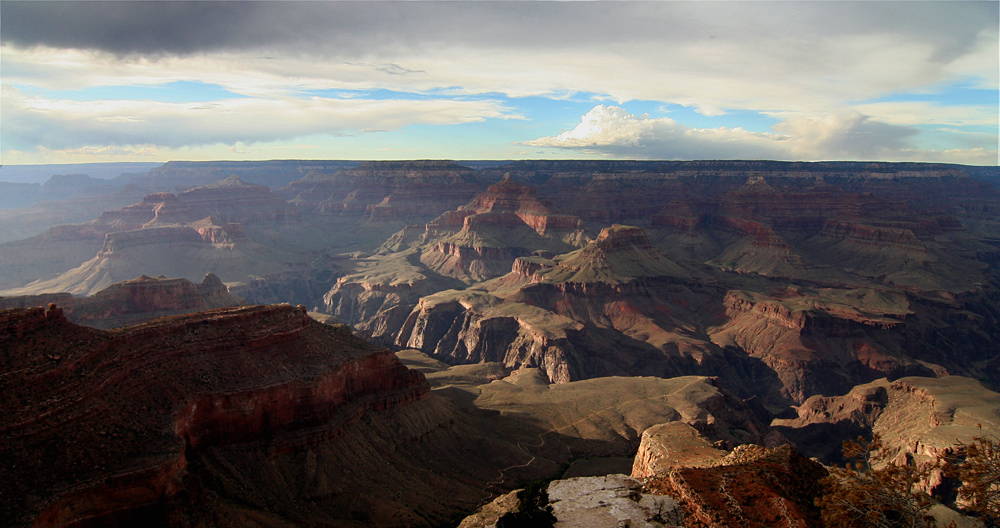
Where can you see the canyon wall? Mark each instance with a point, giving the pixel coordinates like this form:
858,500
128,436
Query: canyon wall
159,422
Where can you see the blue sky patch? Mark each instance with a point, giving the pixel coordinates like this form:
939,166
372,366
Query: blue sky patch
949,94
172,92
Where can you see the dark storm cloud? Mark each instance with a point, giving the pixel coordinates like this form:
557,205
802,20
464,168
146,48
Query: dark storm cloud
126,27
349,28
346,27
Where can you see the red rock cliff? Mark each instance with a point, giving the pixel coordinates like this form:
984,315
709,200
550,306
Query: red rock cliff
101,426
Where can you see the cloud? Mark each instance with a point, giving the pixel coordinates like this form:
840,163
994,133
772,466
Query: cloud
63,124
142,27
110,151
239,149
927,113
842,136
716,56
612,131
812,63
134,27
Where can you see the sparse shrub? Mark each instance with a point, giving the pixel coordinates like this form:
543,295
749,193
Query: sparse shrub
871,492
535,510
980,476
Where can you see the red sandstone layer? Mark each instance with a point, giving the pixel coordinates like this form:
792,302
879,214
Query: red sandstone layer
98,424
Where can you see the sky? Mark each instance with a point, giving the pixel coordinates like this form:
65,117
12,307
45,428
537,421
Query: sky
790,80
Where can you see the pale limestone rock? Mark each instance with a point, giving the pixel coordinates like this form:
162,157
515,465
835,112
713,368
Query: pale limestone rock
611,501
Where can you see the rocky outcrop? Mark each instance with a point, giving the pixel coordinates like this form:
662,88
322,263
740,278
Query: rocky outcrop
116,243
93,432
134,301
610,501
601,417
442,327
482,239
673,445
877,238
378,293
819,341
488,514
920,419
218,233
752,486
620,254
462,328
164,207
471,264
232,200
525,203
485,247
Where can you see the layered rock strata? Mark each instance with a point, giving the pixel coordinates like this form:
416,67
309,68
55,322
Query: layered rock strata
481,239
922,237
407,191
820,341
544,311
134,301
139,424
920,419
378,293
201,230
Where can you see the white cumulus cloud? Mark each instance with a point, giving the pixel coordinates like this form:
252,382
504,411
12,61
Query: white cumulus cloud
848,135
613,131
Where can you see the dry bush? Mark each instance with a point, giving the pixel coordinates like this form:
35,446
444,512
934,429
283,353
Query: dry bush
872,492
979,473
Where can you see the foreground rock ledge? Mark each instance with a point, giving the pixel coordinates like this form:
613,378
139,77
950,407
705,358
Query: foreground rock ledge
608,501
